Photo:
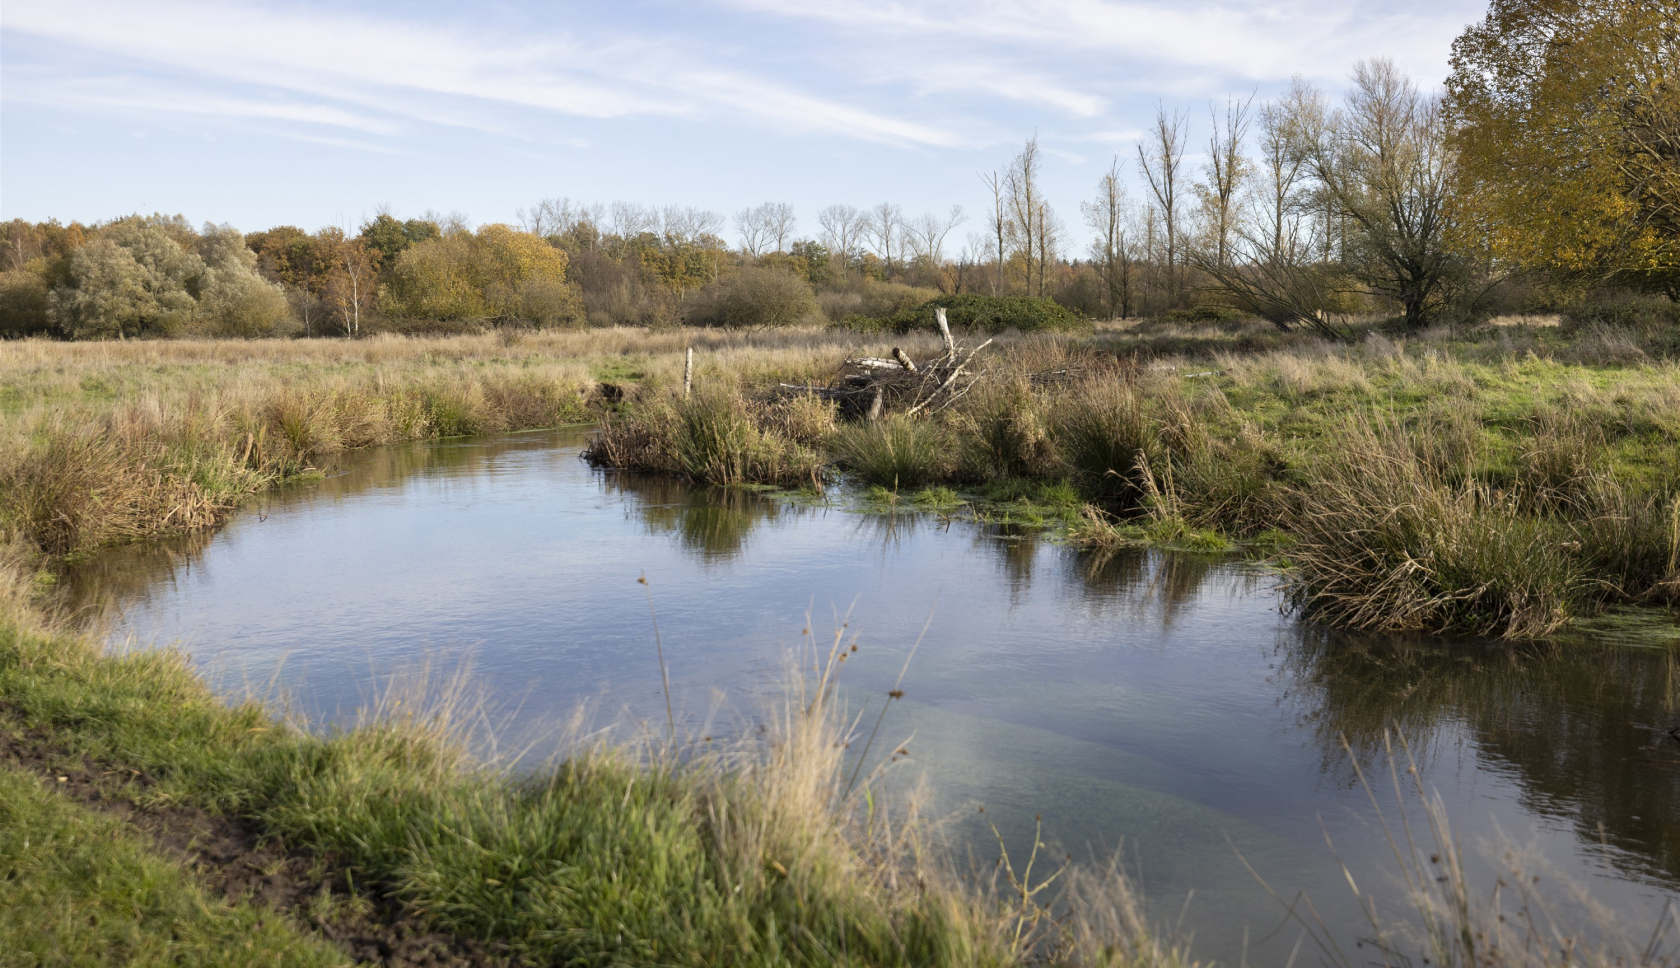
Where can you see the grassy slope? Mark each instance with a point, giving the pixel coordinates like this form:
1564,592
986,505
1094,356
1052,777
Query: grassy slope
81,888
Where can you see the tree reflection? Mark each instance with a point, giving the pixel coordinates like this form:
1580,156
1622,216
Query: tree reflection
1581,726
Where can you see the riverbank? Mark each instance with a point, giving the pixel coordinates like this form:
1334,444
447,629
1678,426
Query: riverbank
1503,481
141,813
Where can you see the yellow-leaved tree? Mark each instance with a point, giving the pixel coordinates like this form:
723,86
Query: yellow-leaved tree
496,273
1567,119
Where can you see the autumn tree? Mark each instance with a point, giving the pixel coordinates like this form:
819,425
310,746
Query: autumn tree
298,261
233,298
1567,116
384,237
134,279
494,273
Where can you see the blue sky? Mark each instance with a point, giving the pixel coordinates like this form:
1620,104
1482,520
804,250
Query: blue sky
314,114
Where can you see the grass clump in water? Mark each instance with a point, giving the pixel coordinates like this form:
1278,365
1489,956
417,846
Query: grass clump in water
715,437
895,452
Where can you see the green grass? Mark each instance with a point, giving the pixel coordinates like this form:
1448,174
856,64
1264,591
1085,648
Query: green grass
78,887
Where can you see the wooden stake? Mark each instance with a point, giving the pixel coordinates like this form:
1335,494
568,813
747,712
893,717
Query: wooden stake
688,372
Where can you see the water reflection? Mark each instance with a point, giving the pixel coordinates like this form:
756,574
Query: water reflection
712,522
1584,728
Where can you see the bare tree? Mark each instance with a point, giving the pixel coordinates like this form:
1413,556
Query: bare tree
927,233
999,223
1025,201
843,227
885,227
1112,215
628,220
1386,171
779,223
1283,170
754,232
1160,163
686,225
1227,172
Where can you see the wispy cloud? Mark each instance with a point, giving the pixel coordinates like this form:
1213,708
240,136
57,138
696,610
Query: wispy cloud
718,101
1317,38
437,73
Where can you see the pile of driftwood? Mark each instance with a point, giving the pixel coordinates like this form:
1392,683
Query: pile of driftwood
876,384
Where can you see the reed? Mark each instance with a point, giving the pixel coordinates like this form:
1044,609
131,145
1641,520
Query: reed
897,452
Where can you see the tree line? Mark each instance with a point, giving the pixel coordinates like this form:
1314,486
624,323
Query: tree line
1547,170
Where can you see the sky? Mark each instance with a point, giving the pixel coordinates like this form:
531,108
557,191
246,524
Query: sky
265,113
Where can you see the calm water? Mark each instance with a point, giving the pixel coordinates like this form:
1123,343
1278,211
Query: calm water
1157,701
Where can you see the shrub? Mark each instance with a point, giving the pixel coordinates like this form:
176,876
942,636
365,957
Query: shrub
23,304
1205,314
991,314
1004,435
753,297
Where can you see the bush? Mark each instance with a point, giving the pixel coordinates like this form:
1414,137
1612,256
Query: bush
991,314
23,304
1101,431
1205,314
753,297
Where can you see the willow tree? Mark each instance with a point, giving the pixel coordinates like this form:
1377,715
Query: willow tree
1567,120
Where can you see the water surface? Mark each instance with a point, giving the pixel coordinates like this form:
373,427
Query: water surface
1161,702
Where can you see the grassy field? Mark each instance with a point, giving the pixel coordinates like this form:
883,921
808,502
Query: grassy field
1500,480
